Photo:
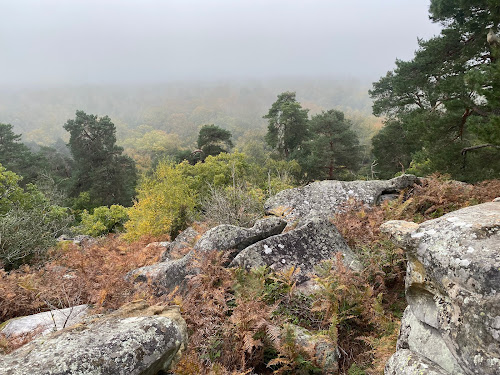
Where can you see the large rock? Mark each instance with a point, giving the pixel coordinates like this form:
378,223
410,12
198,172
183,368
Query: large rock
406,362
44,322
163,277
179,247
226,237
316,240
453,290
133,340
328,196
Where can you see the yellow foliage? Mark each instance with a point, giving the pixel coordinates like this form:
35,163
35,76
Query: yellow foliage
161,198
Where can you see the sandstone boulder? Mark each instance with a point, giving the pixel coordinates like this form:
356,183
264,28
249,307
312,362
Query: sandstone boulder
326,197
225,237
163,277
45,322
133,340
304,247
453,291
180,246
407,362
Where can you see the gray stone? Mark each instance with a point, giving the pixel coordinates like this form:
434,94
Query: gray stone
84,240
163,277
326,197
44,322
320,348
137,340
226,237
304,247
406,362
181,245
453,283
427,341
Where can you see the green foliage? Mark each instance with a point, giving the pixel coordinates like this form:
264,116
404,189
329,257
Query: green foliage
355,370
161,199
332,150
442,107
16,157
100,168
29,223
10,191
393,147
287,127
103,220
213,140
216,172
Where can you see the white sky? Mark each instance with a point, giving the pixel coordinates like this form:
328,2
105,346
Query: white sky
148,41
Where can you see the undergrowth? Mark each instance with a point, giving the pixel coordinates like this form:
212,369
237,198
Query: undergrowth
75,275
243,322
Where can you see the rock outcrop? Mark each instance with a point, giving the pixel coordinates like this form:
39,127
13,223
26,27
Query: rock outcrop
180,246
45,322
304,247
163,277
452,323
226,237
133,340
326,197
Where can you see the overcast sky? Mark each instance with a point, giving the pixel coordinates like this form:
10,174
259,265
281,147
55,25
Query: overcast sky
135,41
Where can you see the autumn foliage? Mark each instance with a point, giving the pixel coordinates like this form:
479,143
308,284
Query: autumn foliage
242,322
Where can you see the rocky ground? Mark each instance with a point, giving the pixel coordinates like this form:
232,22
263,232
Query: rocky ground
451,324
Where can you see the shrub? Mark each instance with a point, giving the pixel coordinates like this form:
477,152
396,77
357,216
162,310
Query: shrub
26,234
103,220
233,205
29,223
161,198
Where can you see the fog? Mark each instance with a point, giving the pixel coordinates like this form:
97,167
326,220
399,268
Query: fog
48,42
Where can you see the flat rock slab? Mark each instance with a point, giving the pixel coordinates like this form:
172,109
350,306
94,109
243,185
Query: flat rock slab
304,247
326,197
453,286
138,342
45,322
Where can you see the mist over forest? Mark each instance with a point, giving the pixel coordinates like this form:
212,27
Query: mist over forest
180,107
284,172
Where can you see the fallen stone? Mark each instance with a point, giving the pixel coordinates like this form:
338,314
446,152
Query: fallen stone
453,287
326,197
45,322
304,247
135,340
